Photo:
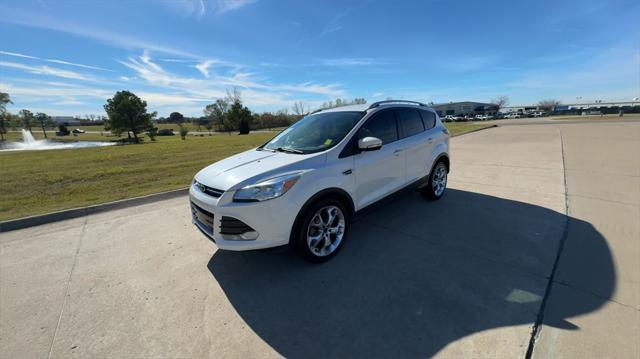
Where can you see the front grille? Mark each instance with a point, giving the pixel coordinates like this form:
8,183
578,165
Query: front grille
213,192
202,218
230,225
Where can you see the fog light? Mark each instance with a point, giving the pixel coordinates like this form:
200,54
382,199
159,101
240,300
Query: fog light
246,236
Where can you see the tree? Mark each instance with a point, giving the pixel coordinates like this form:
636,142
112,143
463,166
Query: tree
300,109
342,102
27,119
239,117
548,105
209,126
359,101
216,113
152,132
500,101
4,115
176,117
45,121
127,112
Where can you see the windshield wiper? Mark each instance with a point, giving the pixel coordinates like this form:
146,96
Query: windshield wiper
289,150
265,149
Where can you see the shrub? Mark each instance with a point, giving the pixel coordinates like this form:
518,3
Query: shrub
183,131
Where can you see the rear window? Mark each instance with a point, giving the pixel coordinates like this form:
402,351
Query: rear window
429,119
410,121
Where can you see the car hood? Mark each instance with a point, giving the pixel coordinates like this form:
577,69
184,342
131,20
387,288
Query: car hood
251,166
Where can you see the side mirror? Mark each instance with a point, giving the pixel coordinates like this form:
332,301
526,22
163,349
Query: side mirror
369,144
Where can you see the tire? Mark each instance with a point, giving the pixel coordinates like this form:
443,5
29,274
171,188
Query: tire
314,238
435,188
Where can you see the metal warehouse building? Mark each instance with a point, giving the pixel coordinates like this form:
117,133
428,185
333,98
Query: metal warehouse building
465,108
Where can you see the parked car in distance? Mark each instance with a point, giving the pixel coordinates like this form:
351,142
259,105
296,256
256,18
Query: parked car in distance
165,132
303,187
513,115
77,130
538,114
449,118
483,117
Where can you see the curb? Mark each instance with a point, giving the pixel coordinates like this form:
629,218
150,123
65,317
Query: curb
20,223
26,222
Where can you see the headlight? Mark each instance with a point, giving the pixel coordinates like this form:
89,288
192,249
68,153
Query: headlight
266,190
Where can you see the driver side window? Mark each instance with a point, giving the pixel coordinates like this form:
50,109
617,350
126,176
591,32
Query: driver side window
383,126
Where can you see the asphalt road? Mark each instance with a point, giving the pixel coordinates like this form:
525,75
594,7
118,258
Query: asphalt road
539,231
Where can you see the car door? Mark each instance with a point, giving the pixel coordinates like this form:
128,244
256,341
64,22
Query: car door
380,172
415,142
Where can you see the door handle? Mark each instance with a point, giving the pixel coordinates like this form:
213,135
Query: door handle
398,151
430,139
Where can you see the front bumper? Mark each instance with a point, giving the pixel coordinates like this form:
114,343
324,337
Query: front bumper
272,220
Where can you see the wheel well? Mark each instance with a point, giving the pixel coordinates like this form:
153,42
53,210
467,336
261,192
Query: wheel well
443,158
336,193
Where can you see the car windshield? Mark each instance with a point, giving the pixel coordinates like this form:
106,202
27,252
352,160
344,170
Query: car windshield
315,133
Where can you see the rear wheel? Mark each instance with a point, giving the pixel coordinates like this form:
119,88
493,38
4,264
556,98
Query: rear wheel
323,230
434,190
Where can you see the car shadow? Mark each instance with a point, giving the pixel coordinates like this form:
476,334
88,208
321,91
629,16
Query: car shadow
414,277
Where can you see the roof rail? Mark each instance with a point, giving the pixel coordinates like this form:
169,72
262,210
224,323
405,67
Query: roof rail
376,104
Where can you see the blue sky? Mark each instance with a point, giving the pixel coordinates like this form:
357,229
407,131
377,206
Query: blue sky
65,57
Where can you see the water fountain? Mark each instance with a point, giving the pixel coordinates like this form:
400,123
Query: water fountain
29,143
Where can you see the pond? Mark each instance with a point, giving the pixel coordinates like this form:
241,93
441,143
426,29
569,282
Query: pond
29,143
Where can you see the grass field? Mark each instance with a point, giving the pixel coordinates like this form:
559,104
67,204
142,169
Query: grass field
35,182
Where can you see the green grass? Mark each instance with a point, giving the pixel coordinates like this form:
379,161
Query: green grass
35,182
458,128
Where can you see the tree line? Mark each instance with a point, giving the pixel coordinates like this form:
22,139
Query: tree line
24,119
126,112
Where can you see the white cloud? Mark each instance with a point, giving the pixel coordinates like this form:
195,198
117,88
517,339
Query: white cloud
200,8
204,66
118,39
334,24
15,54
222,6
76,64
46,70
350,61
18,55
255,91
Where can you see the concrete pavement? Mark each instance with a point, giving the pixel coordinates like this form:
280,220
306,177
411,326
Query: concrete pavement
464,276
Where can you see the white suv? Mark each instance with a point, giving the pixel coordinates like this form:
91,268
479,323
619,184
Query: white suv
305,185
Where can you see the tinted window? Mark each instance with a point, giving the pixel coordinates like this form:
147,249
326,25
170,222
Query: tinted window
382,126
410,121
429,119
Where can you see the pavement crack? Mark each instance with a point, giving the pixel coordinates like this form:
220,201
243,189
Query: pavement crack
66,291
537,326
582,290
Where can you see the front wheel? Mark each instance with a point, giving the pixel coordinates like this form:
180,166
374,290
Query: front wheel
434,190
322,231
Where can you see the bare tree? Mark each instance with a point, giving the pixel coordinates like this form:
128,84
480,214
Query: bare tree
233,96
500,101
359,101
299,108
548,105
